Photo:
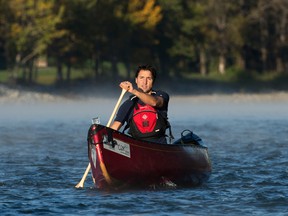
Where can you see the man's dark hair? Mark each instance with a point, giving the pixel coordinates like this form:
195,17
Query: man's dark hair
149,68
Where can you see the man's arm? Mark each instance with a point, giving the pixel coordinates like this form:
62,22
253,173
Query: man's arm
121,116
155,101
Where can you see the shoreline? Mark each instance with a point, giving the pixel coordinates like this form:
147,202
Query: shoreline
27,95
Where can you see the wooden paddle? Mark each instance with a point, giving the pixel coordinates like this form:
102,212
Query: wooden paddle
81,183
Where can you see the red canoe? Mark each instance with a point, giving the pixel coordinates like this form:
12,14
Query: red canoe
119,161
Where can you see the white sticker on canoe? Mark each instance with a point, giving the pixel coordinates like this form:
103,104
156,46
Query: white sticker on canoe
120,148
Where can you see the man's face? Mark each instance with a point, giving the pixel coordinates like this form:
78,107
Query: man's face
144,80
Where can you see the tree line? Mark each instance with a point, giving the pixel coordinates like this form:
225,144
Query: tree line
191,36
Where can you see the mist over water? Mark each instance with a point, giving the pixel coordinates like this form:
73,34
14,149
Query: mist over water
44,154
209,106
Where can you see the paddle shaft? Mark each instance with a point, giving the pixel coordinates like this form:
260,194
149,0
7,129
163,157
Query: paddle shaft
116,107
81,183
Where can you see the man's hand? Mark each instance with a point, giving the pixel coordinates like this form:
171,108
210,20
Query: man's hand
127,86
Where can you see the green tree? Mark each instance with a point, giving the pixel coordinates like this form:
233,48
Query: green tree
138,21
193,41
279,14
168,34
6,47
223,20
32,30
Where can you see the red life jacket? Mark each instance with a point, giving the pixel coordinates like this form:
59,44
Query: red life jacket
147,122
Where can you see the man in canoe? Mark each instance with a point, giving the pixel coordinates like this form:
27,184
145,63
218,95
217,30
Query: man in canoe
145,111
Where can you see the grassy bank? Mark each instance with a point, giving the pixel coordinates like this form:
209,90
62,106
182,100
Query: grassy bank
44,76
187,83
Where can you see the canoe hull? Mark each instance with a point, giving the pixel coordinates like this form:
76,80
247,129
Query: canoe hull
120,161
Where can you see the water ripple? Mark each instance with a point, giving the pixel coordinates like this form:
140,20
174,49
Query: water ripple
38,172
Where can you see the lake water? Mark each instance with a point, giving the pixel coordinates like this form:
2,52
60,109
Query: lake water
43,155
